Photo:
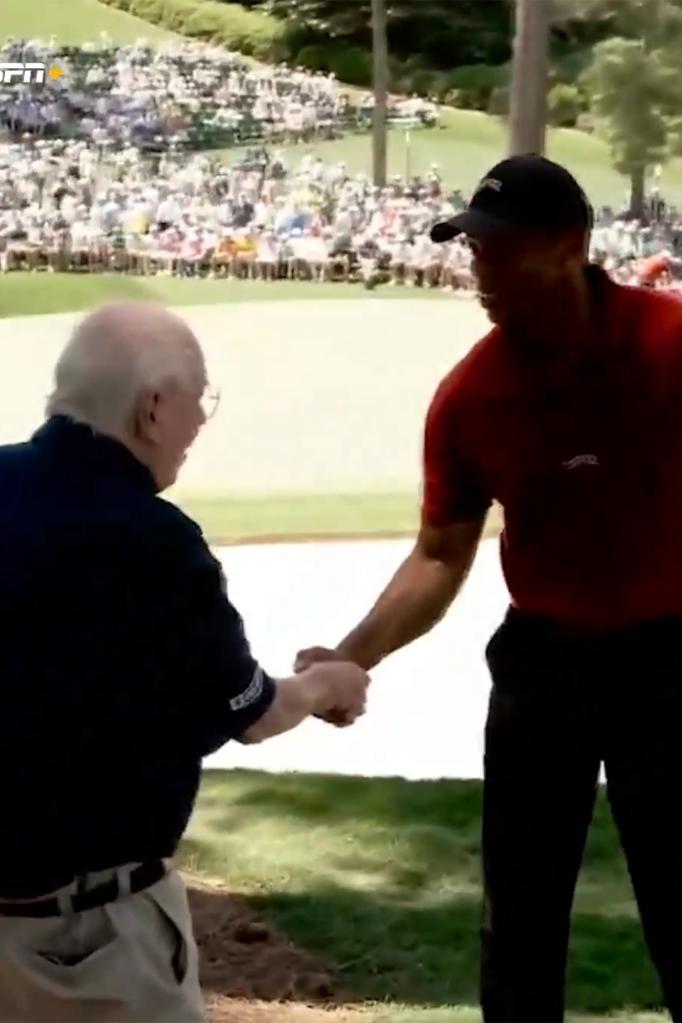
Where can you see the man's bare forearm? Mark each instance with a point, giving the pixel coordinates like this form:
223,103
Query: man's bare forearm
415,599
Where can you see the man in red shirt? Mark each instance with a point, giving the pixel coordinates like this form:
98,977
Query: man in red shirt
569,413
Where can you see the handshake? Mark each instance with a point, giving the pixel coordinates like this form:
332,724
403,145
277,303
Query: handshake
340,686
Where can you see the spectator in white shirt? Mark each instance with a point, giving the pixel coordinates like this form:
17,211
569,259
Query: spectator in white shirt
266,255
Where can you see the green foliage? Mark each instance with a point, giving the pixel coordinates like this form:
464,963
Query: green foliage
656,21
447,33
474,84
204,24
634,93
331,18
444,32
632,85
570,67
586,122
565,103
352,64
420,80
249,31
172,14
314,57
451,34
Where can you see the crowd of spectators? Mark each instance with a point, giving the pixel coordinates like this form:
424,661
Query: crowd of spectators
180,95
647,252
66,206
94,177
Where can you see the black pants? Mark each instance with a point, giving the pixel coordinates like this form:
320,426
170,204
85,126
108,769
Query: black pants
562,703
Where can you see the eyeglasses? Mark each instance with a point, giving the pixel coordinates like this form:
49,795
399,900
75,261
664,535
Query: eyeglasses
209,401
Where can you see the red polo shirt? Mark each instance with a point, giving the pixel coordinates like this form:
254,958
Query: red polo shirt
586,462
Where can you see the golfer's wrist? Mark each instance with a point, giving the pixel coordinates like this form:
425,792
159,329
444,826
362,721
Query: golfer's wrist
357,649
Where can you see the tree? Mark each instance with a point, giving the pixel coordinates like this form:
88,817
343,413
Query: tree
331,17
528,111
629,99
635,91
380,82
443,33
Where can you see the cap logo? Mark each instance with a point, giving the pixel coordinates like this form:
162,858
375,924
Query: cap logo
489,183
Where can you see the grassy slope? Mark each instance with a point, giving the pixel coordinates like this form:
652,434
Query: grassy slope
383,875
469,143
72,21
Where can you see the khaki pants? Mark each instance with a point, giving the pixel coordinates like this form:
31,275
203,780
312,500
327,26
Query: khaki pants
130,961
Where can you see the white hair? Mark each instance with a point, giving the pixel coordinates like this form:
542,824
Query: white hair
116,353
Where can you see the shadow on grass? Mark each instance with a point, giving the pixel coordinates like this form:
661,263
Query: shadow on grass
382,878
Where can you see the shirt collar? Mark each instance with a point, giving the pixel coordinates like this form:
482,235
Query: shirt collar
94,451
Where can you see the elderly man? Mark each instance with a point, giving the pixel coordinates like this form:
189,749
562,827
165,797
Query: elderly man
123,664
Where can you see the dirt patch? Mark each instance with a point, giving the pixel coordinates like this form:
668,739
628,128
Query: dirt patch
230,1010
250,972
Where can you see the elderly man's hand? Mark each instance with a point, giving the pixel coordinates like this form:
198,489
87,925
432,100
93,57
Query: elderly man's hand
342,688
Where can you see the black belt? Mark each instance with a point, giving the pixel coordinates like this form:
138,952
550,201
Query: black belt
141,877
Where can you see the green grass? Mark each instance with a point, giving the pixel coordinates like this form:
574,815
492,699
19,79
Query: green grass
226,520
278,517
469,143
72,22
31,294
382,877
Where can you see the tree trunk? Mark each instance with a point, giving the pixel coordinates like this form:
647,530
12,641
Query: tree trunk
528,108
637,177
380,61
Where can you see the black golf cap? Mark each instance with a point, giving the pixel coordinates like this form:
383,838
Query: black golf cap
521,194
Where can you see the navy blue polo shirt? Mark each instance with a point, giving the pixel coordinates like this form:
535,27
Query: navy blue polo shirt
122,660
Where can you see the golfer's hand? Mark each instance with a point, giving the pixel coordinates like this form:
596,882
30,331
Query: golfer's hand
314,655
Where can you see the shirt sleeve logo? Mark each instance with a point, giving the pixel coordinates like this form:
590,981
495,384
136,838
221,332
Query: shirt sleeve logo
251,693
581,460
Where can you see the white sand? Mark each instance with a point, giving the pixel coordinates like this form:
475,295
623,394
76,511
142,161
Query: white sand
427,703
317,396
